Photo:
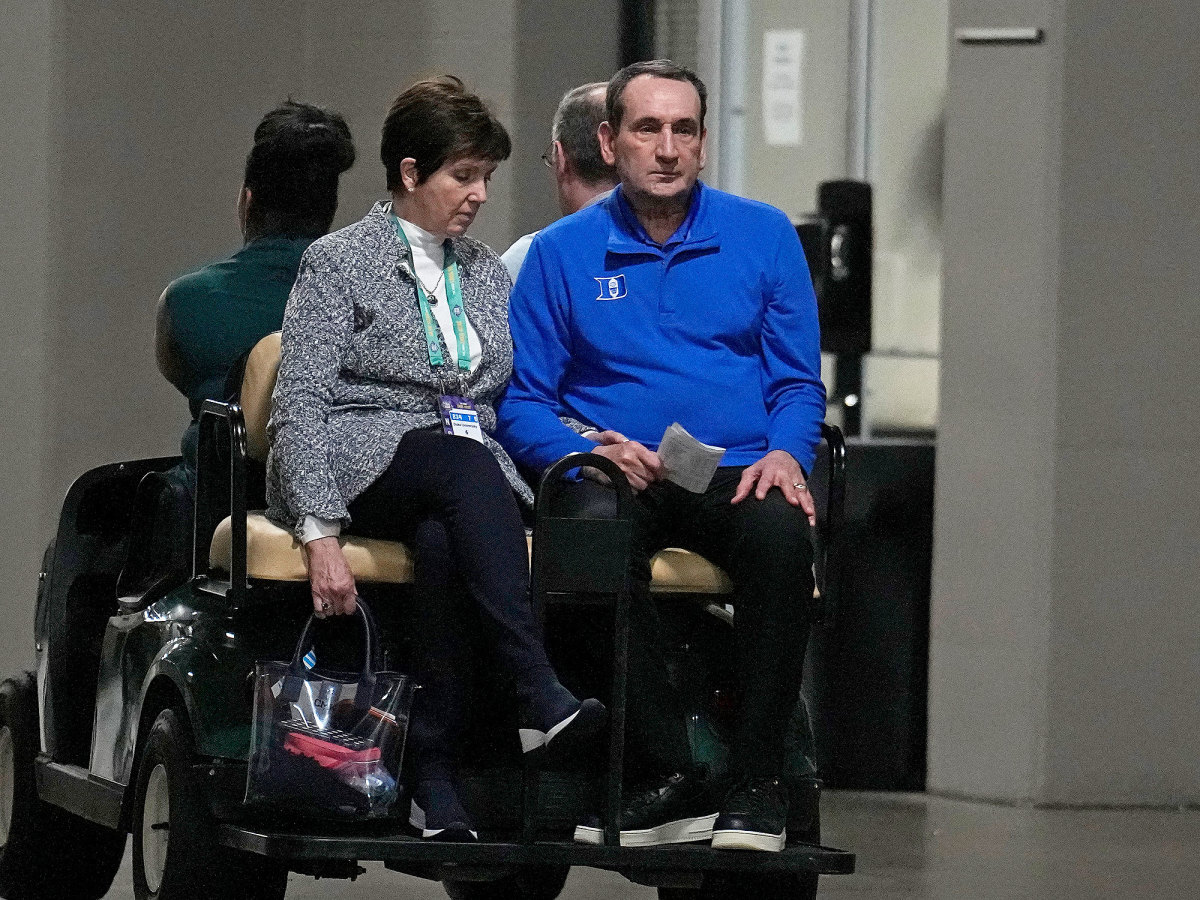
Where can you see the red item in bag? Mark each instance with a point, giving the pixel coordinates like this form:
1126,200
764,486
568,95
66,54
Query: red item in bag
329,753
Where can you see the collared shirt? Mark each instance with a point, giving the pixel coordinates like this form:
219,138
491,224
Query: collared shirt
219,312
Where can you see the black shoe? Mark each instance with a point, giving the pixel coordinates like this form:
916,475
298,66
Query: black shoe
571,729
675,811
436,814
753,816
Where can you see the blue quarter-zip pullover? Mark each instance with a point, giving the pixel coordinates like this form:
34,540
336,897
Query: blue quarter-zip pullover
716,329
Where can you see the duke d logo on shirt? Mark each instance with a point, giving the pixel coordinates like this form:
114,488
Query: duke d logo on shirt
612,287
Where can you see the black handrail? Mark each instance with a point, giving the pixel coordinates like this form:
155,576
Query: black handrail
214,498
552,481
587,544
830,528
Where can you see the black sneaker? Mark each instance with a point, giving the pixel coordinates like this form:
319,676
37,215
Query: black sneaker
436,814
675,811
753,816
574,730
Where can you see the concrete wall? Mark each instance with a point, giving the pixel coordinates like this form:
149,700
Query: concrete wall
129,123
909,62
788,176
1124,666
26,159
908,93
559,45
1065,634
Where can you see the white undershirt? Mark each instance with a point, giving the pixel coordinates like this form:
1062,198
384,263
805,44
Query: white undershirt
429,257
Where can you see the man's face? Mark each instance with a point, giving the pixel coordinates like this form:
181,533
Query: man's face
659,149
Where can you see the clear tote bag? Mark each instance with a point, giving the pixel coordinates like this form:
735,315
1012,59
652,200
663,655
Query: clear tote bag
327,743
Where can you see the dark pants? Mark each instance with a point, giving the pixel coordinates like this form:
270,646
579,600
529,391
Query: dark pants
764,546
447,499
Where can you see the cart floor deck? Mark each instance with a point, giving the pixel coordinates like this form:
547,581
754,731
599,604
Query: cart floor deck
396,847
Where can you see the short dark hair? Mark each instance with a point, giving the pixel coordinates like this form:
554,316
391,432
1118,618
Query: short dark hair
292,170
437,120
576,122
659,68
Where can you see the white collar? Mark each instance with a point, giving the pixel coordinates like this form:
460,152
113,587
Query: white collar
422,242
420,239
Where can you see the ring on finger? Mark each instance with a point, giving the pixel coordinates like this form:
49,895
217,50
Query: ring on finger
800,485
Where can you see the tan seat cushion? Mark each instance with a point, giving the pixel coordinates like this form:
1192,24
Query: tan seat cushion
274,554
675,571
258,381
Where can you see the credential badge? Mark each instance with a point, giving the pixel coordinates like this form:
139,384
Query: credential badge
612,287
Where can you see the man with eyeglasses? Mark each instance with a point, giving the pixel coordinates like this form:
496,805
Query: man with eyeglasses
669,301
581,176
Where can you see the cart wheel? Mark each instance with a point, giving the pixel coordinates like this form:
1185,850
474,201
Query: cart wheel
529,884
798,886
44,850
175,854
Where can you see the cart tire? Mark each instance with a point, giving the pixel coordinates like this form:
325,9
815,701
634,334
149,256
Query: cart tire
175,853
544,883
798,886
45,851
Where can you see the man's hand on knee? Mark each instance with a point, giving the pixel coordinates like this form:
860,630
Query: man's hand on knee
777,469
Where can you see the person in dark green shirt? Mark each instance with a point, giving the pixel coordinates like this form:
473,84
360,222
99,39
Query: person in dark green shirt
209,319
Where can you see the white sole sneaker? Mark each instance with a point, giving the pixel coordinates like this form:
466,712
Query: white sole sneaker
681,831
532,738
588,721
749,840
416,819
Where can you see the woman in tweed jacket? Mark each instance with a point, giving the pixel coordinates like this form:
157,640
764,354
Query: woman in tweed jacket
372,342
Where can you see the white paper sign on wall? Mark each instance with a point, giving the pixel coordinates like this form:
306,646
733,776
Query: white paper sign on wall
783,88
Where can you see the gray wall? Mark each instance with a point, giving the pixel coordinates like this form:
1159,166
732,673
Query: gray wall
1065,633
788,176
26,159
904,162
128,128
1124,666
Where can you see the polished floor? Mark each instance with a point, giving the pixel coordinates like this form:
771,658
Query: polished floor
931,848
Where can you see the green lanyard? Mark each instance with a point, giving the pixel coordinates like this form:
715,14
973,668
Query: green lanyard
453,298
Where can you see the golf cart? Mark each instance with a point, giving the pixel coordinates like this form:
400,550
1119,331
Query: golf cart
138,717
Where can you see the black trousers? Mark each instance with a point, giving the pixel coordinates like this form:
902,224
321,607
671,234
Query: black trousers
765,548
448,500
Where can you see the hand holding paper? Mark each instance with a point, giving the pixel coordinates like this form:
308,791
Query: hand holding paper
688,463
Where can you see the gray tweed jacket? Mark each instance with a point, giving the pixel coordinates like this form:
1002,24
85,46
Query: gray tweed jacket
355,373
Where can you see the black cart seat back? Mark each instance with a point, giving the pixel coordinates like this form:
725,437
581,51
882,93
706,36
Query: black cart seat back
77,593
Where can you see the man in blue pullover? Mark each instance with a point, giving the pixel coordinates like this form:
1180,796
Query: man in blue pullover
670,301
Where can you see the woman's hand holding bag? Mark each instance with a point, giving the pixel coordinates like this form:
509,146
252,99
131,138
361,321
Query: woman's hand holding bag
333,590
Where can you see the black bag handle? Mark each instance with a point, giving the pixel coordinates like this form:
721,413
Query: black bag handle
296,671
